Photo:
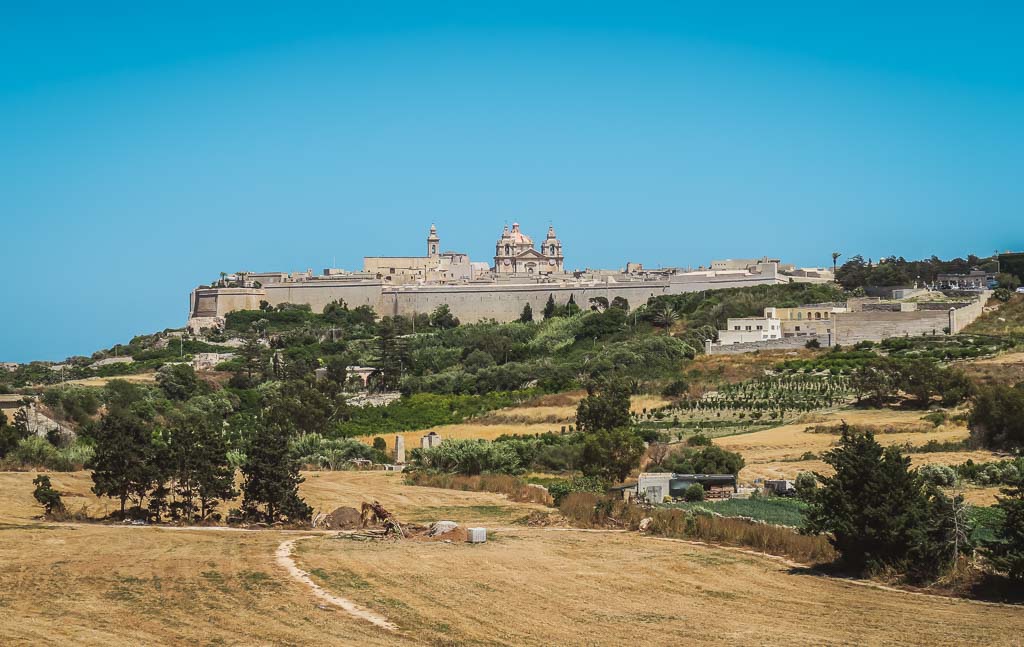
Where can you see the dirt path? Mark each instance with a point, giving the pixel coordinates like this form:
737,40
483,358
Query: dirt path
284,559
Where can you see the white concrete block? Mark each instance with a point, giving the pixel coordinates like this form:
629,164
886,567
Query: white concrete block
477,535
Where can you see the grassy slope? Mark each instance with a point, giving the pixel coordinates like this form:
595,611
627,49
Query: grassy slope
1007,319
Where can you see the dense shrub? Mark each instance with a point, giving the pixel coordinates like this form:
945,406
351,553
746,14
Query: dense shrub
940,475
469,457
694,493
331,454
709,459
562,488
997,419
39,453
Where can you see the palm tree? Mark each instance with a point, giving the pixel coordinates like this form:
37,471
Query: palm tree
664,316
835,257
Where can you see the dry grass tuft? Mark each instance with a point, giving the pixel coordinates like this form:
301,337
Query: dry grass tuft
510,486
591,511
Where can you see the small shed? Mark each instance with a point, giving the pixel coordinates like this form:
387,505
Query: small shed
656,486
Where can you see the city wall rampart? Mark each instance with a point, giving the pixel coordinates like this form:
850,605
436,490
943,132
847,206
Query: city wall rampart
470,302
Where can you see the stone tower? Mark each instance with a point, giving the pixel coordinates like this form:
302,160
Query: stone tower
552,250
399,450
433,243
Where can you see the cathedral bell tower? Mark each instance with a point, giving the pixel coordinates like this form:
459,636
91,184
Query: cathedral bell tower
552,249
433,243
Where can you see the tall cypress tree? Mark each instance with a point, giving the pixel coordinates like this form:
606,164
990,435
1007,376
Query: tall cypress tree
198,454
549,307
270,489
121,465
527,314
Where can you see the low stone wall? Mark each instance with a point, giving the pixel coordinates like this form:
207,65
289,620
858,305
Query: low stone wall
965,316
768,344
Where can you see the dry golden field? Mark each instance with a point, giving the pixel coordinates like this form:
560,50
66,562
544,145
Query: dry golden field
547,413
93,584
775,453
1007,368
138,378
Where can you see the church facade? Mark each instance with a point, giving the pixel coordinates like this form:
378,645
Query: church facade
515,253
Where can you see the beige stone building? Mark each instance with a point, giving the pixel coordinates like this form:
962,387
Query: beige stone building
436,266
814,319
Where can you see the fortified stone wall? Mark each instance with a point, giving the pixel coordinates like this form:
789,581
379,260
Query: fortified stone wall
468,302
472,303
852,327
319,293
216,302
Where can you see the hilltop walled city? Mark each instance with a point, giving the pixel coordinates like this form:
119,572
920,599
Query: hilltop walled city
520,274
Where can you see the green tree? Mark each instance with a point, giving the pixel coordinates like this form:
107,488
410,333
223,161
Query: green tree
270,485
611,454
10,436
311,407
707,459
873,382
620,303
391,357
46,496
1008,281
549,307
527,314
805,485
664,315
605,407
178,381
121,466
997,418
253,363
874,508
610,449
571,308
198,453
443,318
602,324
1006,551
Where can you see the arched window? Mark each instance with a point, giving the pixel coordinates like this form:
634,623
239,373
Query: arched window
506,249
817,315
552,250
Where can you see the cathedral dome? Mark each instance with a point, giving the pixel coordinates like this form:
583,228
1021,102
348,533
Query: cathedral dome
518,237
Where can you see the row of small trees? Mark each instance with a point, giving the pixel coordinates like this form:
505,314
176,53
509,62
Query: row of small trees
882,379
184,471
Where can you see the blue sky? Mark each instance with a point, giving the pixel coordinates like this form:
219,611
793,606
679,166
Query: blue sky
143,151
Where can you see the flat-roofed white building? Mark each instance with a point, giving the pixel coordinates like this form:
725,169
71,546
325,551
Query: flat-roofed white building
744,330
